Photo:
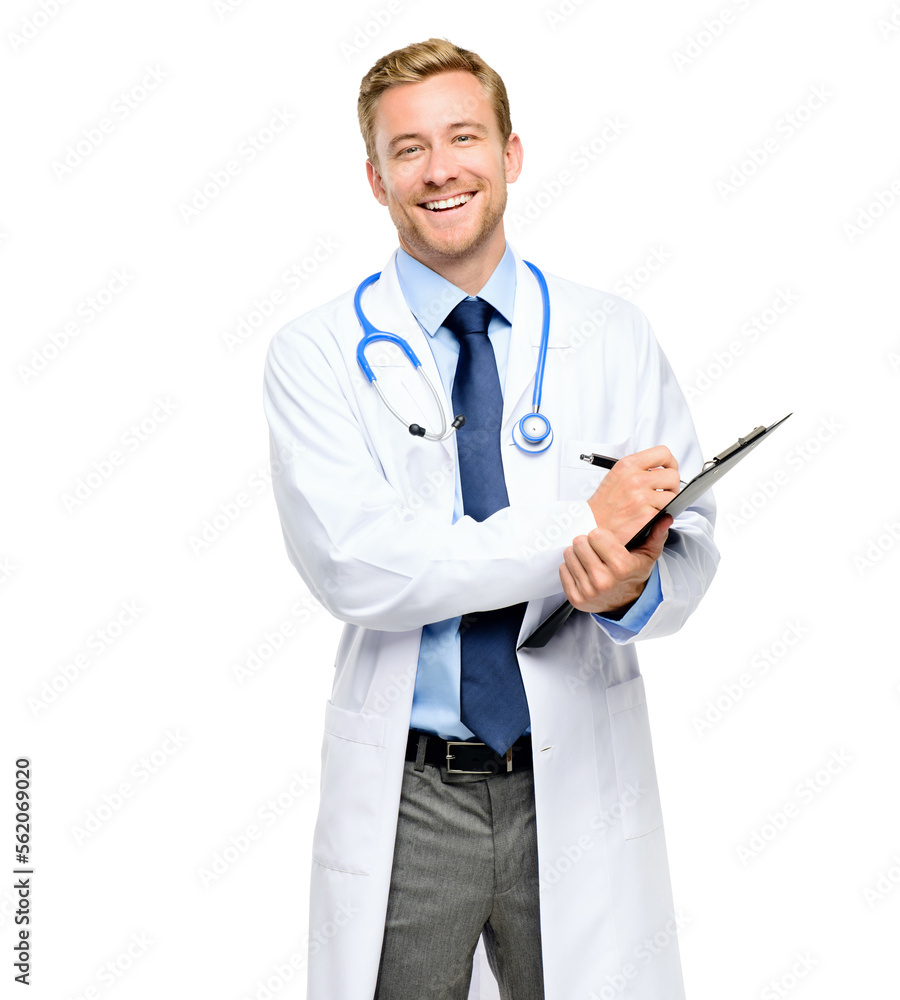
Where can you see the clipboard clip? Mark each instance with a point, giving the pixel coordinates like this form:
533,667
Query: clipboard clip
752,436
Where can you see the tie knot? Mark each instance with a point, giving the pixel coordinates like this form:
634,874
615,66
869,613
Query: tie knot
470,316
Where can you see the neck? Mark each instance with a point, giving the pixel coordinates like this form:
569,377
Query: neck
471,272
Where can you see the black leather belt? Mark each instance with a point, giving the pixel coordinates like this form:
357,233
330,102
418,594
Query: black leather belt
468,757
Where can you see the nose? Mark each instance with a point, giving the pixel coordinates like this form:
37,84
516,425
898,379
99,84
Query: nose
441,166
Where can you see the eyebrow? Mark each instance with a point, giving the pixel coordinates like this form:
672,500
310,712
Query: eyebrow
398,140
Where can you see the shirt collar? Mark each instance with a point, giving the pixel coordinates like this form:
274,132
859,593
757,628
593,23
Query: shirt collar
431,297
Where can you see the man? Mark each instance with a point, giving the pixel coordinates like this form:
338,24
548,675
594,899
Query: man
541,834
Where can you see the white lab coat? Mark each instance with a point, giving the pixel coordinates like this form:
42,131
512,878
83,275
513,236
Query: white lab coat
366,510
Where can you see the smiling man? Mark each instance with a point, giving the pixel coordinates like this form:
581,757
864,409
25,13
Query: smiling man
444,183
474,793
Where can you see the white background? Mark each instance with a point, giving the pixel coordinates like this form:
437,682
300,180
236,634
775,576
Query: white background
753,157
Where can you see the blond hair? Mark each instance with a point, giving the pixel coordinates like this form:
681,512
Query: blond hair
418,62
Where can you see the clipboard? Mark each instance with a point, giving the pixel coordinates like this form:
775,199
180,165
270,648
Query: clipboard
706,478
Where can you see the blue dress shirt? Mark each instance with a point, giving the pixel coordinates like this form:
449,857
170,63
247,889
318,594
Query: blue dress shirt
430,297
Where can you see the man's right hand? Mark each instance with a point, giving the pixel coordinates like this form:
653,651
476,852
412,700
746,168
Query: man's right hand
634,490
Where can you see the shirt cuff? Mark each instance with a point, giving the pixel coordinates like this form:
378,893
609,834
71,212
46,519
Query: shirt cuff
637,616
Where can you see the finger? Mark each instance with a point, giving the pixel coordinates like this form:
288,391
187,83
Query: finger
658,456
596,557
610,559
656,500
661,479
568,585
603,544
574,564
580,594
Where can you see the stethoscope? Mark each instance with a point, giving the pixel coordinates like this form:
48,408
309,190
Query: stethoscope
532,434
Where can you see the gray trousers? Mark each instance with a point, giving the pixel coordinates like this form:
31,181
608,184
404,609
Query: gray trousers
465,863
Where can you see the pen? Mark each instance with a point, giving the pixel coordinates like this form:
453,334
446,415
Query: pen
605,462
602,460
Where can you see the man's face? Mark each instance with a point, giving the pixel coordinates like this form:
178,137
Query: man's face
439,141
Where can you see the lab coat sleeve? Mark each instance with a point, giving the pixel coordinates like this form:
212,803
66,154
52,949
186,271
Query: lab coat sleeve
689,560
372,556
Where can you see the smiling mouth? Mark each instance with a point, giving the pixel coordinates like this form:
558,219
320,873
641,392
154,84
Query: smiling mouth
448,204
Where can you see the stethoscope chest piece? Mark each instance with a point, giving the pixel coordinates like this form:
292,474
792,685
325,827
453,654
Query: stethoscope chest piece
533,433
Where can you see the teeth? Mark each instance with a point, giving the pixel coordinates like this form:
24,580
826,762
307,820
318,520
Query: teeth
435,206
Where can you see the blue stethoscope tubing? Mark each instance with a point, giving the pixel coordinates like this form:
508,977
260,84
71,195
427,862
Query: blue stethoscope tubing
532,434
370,336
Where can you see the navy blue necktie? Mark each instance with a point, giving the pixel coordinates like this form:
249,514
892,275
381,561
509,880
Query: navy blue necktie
492,696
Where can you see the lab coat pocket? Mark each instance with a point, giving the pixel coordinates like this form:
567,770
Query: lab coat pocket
578,479
353,760
633,751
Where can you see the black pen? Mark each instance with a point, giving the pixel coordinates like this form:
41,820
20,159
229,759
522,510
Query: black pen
605,462
602,460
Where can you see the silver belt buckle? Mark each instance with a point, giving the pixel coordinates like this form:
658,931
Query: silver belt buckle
472,743
450,756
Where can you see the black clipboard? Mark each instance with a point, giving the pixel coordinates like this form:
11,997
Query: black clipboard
709,475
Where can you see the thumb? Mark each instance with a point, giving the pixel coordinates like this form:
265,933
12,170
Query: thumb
656,540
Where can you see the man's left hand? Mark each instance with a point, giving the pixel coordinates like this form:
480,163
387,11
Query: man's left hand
601,576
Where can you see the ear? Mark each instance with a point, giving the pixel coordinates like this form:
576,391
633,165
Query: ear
512,157
375,183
